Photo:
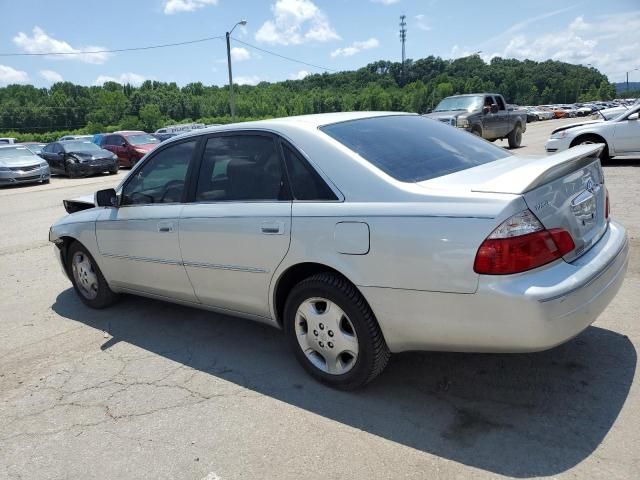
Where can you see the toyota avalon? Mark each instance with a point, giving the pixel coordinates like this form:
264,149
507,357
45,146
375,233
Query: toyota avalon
358,234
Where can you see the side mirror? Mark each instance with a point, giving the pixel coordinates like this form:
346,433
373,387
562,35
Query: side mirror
124,144
106,198
494,108
61,154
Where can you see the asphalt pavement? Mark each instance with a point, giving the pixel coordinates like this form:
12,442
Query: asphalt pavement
147,389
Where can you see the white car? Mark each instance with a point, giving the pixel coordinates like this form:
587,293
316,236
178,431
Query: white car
621,135
609,113
359,234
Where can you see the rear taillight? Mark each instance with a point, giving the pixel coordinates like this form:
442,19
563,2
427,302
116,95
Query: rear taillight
607,205
519,244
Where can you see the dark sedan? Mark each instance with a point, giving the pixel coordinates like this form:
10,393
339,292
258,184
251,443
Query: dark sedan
76,158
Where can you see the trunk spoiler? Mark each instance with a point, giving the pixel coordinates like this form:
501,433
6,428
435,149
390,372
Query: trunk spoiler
527,176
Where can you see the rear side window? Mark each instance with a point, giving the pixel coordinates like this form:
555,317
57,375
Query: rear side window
411,148
306,184
241,168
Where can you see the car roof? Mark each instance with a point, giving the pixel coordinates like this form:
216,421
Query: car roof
128,132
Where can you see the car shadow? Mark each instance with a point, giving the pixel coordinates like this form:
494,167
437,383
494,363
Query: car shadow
621,162
520,415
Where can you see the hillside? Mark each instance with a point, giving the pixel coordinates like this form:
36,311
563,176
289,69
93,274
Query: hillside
41,113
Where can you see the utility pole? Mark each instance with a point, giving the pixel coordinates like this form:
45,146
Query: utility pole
628,78
403,39
232,100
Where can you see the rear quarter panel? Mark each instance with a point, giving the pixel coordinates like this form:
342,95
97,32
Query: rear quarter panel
408,249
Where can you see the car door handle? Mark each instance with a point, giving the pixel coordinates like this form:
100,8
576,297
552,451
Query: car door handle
165,227
272,228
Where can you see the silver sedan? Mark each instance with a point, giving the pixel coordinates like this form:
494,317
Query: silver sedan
18,165
359,234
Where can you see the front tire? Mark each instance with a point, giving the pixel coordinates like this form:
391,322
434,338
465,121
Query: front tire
334,333
590,140
87,279
515,137
70,169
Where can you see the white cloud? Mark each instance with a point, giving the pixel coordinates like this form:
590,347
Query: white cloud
51,76
607,42
177,6
247,80
299,75
9,75
422,23
40,42
385,2
124,78
355,47
295,22
239,54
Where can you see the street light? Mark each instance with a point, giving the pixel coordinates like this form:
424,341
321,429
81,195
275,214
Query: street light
231,99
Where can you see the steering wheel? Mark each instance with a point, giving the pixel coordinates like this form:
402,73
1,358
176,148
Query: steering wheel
172,185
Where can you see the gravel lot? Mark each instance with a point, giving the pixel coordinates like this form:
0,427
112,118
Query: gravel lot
151,390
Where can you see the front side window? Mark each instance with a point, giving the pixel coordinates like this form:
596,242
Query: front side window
241,168
162,178
411,148
306,184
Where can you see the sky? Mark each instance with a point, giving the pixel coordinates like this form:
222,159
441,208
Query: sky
332,35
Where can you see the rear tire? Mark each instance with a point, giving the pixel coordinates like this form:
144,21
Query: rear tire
334,333
515,137
87,279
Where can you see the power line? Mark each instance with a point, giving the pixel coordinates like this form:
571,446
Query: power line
285,57
116,50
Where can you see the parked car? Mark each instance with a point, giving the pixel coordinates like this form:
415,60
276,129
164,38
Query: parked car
35,147
97,138
75,137
610,113
483,114
76,158
18,164
129,146
359,234
619,136
7,140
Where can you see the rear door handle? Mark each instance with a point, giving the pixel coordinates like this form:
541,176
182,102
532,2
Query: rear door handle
165,227
272,228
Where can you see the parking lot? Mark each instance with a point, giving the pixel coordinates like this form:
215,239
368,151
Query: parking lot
151,390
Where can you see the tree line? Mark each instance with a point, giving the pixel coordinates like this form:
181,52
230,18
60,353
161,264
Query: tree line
43,114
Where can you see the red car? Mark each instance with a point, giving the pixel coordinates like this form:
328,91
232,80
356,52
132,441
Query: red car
129,145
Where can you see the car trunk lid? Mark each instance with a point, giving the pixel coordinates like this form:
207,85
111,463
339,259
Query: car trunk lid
565,190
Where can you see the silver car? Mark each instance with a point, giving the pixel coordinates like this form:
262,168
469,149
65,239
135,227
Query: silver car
359,234
18,164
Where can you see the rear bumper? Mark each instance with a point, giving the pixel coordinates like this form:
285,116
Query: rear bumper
532,311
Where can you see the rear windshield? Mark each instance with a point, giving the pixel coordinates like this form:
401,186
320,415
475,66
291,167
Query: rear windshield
411,148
